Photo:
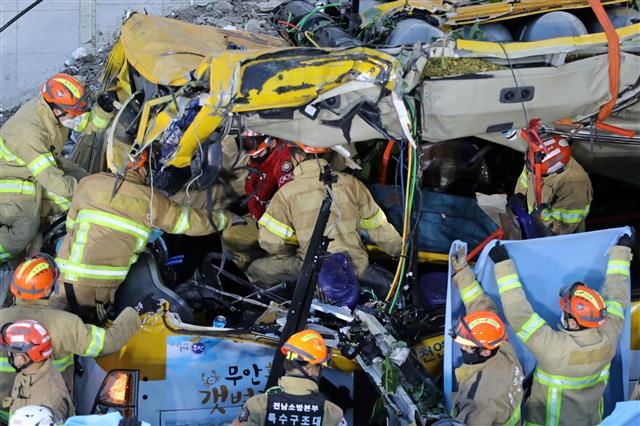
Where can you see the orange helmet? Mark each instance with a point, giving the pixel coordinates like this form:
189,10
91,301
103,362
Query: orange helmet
67,93
35,277
312,149
28,337
555,152
254,143
140,161
308,346
480,329
584,304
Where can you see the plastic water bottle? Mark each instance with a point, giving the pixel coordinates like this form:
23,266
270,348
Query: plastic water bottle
219,322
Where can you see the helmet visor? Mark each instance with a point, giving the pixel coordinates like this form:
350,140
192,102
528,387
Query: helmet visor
83,105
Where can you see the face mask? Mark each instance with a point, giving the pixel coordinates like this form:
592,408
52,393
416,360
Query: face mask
472,357
72,123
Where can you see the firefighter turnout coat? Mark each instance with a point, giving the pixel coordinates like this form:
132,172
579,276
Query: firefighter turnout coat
105,233
69,334
30,166
291,216
44,387
489,393
295,400
572,366
568,194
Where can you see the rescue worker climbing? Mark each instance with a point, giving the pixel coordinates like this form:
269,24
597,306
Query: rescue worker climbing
305,354
33,282
572,362
30,351
35,180
109,225
554,184
286,226
270,166
490,377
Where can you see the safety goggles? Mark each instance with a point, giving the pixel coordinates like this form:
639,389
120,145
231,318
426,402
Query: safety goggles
83,105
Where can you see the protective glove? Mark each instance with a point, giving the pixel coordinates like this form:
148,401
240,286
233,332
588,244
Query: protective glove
105,100
146,304
628,240
237,220
498,253
518,199
459,260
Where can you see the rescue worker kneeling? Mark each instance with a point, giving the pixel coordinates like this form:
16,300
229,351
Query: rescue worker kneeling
573,362
106,231
305,354
490,378
35,180
38,383
33,282
287,224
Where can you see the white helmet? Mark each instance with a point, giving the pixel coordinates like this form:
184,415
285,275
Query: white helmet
32,415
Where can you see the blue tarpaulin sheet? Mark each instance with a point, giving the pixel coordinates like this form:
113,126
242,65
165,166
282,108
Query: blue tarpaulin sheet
545,265
626,414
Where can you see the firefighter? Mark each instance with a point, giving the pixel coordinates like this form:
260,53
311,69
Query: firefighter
490,378
30,352
32,284
572,362
560,191
287,224
270,166
109,225
305,354
35,180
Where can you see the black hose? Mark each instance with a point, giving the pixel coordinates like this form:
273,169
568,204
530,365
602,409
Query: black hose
19,15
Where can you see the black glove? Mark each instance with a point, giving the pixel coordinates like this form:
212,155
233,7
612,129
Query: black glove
518,199
498,253
105,100
146,304
628,240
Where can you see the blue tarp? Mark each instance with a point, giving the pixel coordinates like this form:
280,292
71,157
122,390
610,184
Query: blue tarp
626,414
544,266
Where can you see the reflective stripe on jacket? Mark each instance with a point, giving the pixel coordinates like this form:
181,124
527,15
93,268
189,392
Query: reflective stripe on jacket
105,234
568,194
489,393
293,210
69,334
572,366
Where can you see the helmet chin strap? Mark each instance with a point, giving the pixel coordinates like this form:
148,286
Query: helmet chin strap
11,358
304,375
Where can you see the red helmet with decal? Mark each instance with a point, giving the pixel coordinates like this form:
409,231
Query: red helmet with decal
28,337
553,152
584,304
67,93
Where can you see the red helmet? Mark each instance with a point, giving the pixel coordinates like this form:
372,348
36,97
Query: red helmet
308,346
584,304
554,150
35,277
312,149
254,143
480,329
67,93
28,337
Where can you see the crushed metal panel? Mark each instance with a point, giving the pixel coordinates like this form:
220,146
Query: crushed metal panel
572,90
164,50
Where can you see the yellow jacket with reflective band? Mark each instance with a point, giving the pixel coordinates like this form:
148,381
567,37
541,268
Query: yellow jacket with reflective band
255,409
489,393
105,234
567,193
70,335
572,366
30,142
293,210
44,387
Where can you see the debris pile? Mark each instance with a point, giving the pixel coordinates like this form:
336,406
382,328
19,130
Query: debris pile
251,16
